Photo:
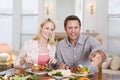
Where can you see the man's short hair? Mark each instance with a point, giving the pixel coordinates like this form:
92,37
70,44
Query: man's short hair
71,17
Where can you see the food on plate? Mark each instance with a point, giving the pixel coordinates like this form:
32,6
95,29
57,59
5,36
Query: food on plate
60,72
57,74
37,67
80,69
20,72
78,78
24,77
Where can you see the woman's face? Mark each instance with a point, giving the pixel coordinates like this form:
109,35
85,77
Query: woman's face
47,30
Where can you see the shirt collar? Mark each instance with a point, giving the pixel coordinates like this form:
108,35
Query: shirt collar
48,46
80,41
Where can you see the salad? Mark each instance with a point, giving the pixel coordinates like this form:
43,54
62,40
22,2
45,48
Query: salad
25,77
78,78
80,69
41,68
60,72
21,77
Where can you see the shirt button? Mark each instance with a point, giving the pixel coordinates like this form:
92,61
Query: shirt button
74,48
74,56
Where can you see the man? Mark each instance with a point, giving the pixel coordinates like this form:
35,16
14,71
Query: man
78,48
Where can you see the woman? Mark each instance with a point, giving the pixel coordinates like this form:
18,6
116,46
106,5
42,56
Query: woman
41,49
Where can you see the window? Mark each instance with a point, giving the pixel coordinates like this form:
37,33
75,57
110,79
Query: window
6,9
29,19
114,26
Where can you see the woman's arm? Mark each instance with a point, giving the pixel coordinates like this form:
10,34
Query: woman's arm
22,61
19,62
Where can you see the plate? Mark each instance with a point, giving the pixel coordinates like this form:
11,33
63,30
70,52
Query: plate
36,72
59,77
79,74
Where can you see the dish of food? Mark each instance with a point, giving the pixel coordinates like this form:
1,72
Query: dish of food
78,78
37,72
24,77
38,69
60,74
79,74
59,77
81,71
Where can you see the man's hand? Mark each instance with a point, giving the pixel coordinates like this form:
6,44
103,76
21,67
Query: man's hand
97,58
63,66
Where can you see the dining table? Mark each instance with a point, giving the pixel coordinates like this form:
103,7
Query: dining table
12,71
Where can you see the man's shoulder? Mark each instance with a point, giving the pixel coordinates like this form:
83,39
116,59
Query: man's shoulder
84,36
62,42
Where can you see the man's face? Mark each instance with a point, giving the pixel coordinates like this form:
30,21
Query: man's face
73,29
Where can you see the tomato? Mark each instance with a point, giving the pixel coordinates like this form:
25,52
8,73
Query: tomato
71,69
75,69
41,68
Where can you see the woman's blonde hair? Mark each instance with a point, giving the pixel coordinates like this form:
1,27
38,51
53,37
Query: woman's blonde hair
51,40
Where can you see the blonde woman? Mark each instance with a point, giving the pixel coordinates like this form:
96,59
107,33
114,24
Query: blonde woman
41,49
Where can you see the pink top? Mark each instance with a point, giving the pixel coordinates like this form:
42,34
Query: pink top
30,49
43,59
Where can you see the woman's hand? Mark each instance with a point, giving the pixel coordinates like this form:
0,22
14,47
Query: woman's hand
22,61
53,61
28,60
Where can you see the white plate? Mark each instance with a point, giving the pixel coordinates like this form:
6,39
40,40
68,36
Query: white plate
57,77
77,74
35,72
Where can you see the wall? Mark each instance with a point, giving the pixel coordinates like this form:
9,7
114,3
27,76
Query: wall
63,9
98,21
102,19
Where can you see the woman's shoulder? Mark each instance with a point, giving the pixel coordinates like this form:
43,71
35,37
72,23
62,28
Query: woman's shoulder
31,41
51,46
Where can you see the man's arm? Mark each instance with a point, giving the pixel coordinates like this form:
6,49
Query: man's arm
97,58
60,62
103,56
98,52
